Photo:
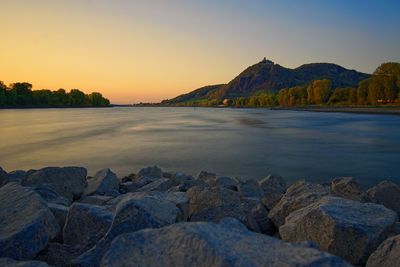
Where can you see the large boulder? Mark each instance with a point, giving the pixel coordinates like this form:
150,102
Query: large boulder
346,228
297,196
3,177
26,223
273,187
226,182
69,182
213,204
162,184
51,196
347,187
187,184
151,172
264,224
387,254
207,177
105,182
96,200
386,193
211,245
249,188
7,262
134,212
85,225
60,212
17,176
60,255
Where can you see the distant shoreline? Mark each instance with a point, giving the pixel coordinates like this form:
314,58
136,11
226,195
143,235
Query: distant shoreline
50,107
358,110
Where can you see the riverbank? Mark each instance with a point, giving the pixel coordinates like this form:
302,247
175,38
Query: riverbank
158,218
358,110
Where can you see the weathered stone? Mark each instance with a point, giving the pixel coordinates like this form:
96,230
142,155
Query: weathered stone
69,182
226,182
96,200
105,182
128,187
386,193
181,200
179,177
186,185
26,223
86,224
152,172
7,262
297,196
213,204
3,177
349,229
60,255
265,224
347,187
134,212
273,187
17,176
207,177
209,244
60,212
387,254
50,196
249,188
162,184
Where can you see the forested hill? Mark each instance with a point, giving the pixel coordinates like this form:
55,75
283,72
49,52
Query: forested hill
21,95
266,76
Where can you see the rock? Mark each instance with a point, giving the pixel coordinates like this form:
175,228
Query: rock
181,200
386,193
26,223
273,187
387,254
207,177
265,224
226,182
3,177
179,178
51,196
128,187
297,196
213,204
60,255
69,182
7,262
186,185
17,176
85,225
347,187
134,212
346,228
105,182
209,244
162,184
60,212
249,188
152,172
96,200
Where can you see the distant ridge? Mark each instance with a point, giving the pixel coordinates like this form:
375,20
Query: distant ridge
270,77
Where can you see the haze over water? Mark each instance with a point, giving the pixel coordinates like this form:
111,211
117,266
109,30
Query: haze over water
230,142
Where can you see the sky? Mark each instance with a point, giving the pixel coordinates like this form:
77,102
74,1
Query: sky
146,51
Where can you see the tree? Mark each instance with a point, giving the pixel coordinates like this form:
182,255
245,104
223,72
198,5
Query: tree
76,98
24,93
3,97
283,97
321,91
362,92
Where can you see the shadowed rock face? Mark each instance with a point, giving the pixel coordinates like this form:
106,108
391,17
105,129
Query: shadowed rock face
26,223
342,227
273,186
13,263
69,182
386,193
347,187
209,244
105,182
387,254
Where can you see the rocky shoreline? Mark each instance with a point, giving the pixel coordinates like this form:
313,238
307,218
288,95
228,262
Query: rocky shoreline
57,216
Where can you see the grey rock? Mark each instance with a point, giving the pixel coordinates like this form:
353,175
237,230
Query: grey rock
85,225
265,224
249,188
179,178
181,200
60,212
3,177
186,185
128,187
346,228
69,182
347,187
134,212
151,172
7,262
209,244
17,176
386,193
387,254
207,177
26,223
105,182
273,187
226,182
297,196
50,196
162,184
60,255
96,200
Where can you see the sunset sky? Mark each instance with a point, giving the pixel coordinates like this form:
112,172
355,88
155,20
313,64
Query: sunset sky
134,51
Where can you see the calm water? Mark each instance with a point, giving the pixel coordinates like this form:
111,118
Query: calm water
233,142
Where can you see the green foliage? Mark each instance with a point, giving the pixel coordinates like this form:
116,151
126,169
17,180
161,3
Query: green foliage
21,94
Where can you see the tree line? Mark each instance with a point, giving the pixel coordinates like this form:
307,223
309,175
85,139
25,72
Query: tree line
20,94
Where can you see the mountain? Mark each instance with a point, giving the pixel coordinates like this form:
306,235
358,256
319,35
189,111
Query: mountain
270,77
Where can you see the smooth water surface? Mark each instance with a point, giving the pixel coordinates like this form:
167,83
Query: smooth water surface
232,142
